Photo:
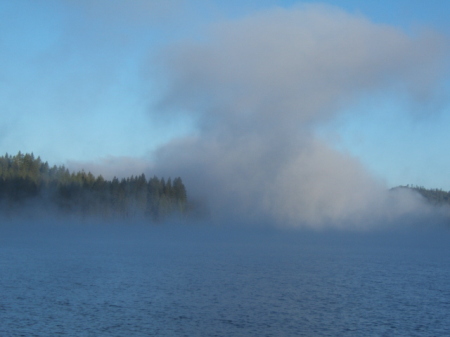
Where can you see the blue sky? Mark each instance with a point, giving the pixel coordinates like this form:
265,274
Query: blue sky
80,82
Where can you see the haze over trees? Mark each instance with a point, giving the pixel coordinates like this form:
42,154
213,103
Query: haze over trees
28,181
434,196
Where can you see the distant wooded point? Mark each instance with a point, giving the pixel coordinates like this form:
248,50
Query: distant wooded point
433,196
29,183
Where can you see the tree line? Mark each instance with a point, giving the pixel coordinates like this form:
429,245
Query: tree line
434,196
26,180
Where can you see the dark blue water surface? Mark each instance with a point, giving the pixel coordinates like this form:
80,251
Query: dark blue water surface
98,280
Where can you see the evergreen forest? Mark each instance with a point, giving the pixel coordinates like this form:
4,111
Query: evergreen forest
434,196
29,181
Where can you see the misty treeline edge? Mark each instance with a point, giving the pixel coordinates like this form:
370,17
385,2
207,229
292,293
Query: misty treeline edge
434,196
28,181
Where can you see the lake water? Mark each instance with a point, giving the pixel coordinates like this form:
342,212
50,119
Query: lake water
199,281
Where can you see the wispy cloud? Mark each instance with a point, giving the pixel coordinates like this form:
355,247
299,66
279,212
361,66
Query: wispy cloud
259,86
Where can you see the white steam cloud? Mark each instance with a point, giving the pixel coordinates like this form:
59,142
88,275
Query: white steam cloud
258,88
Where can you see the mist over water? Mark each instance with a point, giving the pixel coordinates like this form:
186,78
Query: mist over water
259,87
289,236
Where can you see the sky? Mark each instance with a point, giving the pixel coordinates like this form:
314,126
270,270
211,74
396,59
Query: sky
261,99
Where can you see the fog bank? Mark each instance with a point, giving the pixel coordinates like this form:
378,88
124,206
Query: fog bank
259,87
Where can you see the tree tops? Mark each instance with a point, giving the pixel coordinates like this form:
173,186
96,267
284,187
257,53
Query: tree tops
25,179
433,196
